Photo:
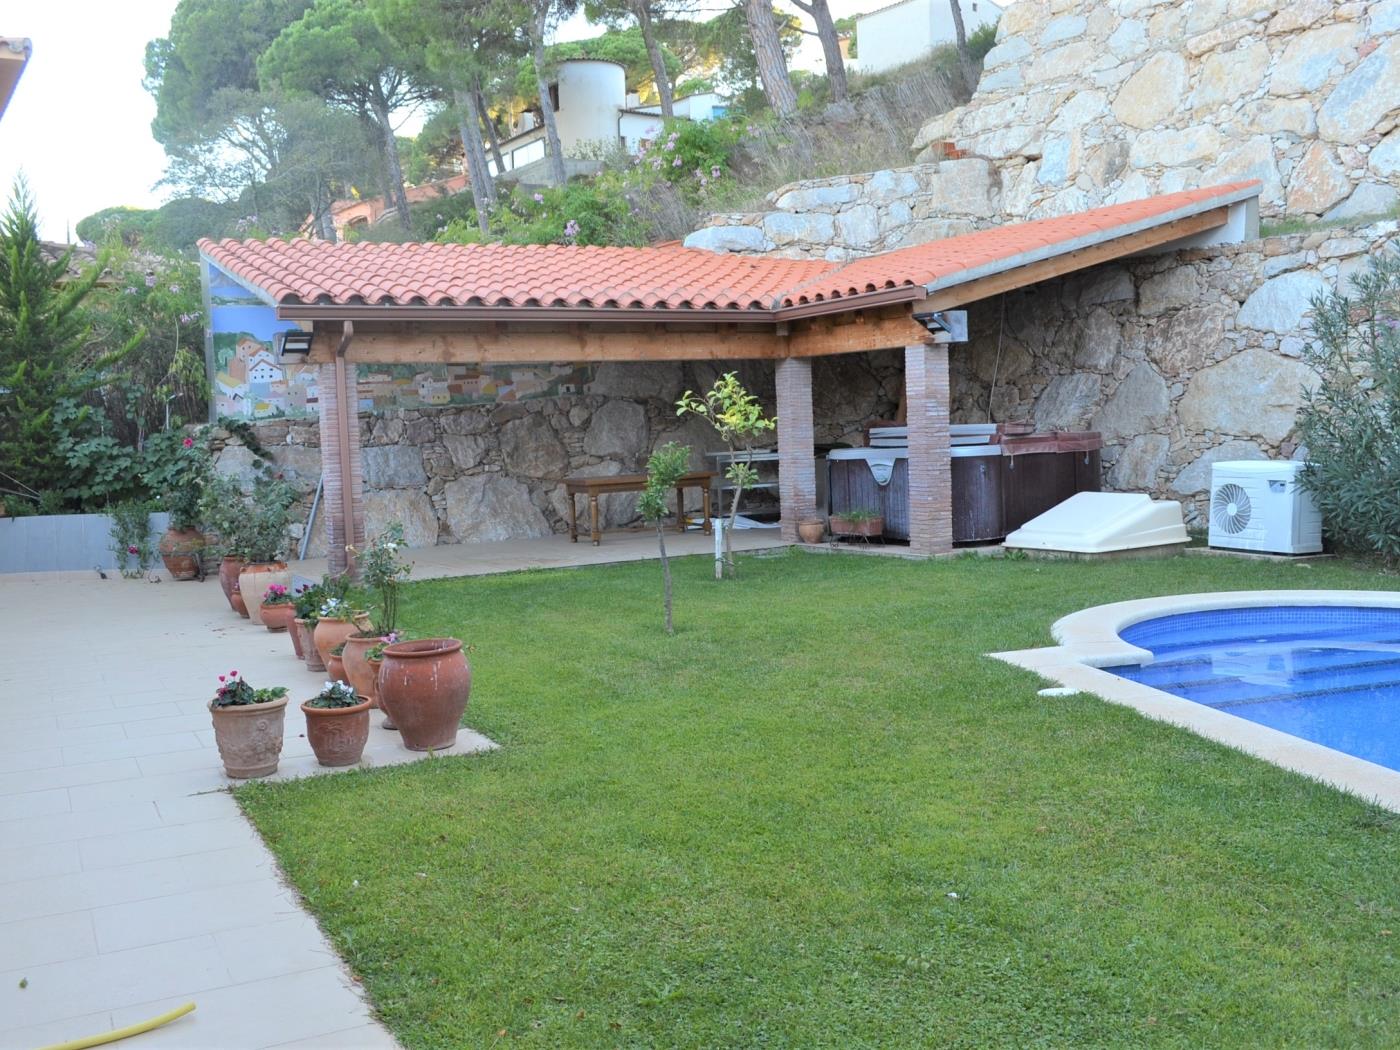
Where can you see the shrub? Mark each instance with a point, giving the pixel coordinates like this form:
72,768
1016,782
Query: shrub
1350,421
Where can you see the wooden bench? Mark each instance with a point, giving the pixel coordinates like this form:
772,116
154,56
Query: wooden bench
595,487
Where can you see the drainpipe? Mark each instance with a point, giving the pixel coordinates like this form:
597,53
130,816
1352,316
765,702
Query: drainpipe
345,394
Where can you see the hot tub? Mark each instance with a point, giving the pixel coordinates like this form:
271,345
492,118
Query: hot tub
878,479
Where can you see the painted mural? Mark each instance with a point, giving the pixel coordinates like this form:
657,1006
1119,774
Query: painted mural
250,383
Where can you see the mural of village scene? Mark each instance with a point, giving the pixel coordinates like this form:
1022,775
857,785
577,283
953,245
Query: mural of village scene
250,383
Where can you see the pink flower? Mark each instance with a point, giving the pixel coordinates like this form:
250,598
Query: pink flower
222,678
233,674
133,549
189,442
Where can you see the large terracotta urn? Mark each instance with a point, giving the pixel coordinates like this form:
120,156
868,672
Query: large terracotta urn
250,737
424,687
358,671
294,635
329,634
254,580
229,567
237,603
337,734
180,550
304,632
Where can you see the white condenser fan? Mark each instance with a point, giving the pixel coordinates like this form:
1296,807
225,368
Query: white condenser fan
1258,505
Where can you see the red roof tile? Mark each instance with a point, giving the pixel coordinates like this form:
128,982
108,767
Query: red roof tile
305,272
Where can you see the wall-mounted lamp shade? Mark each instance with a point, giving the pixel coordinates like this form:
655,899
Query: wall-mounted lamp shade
292,344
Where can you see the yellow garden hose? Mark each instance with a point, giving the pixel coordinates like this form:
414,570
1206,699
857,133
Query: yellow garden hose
122,1033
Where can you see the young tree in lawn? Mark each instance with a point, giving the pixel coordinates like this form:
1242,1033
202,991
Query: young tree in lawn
338,52
668,464
738,418
772,63
964,56
820,13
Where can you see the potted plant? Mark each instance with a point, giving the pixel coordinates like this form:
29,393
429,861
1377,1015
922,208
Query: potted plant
185,474
810,528
336,621
859,522
337,724
262,537
306,610
248,726
277,610
220,509
335,667
381,569
424,687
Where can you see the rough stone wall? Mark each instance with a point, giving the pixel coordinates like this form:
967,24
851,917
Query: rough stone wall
1089,103
493,472
1180,360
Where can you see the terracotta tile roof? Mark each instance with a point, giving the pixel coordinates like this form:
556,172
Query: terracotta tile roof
953,258
543,275
305,272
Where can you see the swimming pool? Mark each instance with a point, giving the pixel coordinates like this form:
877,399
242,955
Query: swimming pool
1329,674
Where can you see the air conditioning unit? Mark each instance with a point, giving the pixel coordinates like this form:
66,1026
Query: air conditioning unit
1258,505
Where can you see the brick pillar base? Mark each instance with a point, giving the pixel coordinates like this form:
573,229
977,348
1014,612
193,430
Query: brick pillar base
340,532
797,468
930,467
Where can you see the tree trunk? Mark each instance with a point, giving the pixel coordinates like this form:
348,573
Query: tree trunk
324,221
964,58
768,50
831,47
665,571
393,166
483,189
555,153
490,126
658,60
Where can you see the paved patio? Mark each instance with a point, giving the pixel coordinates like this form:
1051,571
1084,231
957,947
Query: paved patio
130,882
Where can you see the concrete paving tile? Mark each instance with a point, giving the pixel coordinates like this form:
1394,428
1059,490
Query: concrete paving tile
176,970
223,866
207,910
182,761
33,862
33,739
23,761
290,945
140,748
73,827
57,1032
68,776
46,939
366,1037
208,805
34,804
173,723
171,841
148,789
117,715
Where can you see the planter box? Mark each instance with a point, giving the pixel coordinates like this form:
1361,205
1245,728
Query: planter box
64,542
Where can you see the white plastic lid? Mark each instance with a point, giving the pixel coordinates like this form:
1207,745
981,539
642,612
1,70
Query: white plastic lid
1273,467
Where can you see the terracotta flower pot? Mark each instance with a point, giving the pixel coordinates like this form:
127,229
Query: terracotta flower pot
424,687
250,737
357,670
278,617
811,531
376,666
180,550
294,633
866,529
303,632
335,670
255,578
236,600
337,734
229,567
329,634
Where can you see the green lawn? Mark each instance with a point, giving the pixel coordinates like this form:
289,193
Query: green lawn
819,816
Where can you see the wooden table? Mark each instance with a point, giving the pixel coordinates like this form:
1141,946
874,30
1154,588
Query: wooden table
595,487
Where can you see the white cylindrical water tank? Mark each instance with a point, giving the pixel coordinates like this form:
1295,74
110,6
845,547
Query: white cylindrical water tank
591,92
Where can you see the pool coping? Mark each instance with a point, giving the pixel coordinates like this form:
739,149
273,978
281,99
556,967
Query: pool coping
1089,641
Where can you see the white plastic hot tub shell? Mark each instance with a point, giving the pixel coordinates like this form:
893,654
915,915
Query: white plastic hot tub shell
1102,522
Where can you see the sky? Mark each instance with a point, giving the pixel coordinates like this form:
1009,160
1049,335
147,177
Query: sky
79,125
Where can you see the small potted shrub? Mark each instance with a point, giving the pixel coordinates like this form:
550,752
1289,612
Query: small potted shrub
263,539
248,726
335,665
185,475
381,568
859,522
337,724
278,610
305,604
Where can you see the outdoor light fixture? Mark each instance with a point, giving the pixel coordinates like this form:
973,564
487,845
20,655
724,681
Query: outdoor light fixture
293,343
950,324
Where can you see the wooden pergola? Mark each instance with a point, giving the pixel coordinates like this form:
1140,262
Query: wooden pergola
391,307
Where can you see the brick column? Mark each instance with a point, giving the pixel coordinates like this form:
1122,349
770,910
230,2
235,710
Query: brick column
930,468
797,468
329,397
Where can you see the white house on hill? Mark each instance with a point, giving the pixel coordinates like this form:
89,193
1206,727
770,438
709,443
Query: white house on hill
909,30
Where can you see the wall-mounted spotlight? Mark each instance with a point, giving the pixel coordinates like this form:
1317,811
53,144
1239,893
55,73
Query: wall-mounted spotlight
949,325
292,344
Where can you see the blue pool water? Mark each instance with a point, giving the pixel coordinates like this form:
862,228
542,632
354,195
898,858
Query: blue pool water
1329,675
